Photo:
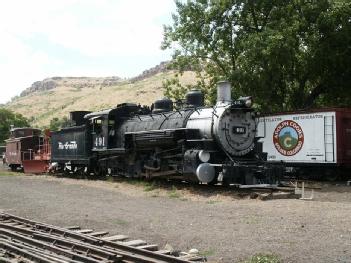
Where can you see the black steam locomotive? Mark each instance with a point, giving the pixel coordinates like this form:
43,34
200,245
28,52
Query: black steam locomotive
192,142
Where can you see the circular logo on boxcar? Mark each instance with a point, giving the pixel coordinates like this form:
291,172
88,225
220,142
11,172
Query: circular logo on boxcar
288,138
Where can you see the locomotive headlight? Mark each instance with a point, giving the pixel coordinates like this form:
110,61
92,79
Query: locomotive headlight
243,102
248,102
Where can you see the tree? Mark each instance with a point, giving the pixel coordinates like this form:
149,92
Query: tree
286,54
56,123
8,118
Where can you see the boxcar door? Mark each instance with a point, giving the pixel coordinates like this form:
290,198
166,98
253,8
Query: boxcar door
346,142
329,138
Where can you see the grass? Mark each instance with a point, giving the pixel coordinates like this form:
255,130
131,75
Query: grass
149,186
212,202
121,222
110,179
174,193
135,181
8,173
155,194
263,258
207,253
252,220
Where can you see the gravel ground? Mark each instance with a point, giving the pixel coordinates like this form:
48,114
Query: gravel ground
223,227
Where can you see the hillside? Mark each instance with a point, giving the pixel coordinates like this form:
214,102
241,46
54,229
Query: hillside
57,96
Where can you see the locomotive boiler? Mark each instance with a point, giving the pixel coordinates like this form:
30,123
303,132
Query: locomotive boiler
192,142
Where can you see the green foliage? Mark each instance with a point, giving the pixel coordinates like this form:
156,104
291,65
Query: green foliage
173,88
173,193
207,253
56,123
286,54
121,222
9,173
8,118
264,258
212,202
149,186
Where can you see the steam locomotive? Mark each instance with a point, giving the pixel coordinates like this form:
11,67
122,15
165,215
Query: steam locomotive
191,142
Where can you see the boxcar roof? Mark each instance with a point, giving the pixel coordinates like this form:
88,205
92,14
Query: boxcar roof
307,111
14,139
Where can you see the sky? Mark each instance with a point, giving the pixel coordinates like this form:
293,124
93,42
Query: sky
94,38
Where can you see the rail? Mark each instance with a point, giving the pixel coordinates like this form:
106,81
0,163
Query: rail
39,242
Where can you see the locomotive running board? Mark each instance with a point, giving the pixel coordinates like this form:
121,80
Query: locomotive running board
155,138
111,151
159,174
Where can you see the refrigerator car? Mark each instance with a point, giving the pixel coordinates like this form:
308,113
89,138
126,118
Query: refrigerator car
314,144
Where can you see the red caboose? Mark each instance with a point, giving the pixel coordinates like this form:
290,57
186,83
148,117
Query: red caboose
38,161
21,145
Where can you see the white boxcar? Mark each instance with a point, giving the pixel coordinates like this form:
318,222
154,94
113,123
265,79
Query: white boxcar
316,138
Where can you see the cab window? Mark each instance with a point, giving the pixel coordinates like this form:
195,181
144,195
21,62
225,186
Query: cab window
97,126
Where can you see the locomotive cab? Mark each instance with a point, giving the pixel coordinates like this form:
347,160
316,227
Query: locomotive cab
102,127
104,124
103,132
98,131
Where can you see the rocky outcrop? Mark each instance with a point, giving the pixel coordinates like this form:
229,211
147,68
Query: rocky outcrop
74,82
162,67
110,81
46,84
90,82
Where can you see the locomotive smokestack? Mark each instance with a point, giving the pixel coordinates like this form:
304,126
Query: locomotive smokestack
223,92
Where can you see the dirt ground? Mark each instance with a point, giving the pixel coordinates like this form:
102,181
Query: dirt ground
222,225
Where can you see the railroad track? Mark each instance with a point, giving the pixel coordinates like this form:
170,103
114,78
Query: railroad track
24,240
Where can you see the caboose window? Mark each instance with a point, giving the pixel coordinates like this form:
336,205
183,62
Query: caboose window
20,134
97,126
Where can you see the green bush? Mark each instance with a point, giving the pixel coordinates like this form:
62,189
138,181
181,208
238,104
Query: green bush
8,118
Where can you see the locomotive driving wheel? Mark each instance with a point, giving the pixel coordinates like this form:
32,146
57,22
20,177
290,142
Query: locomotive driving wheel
99,171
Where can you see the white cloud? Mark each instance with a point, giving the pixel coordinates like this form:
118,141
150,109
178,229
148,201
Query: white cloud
94,29
19,65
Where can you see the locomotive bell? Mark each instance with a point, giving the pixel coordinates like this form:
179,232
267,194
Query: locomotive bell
223,92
